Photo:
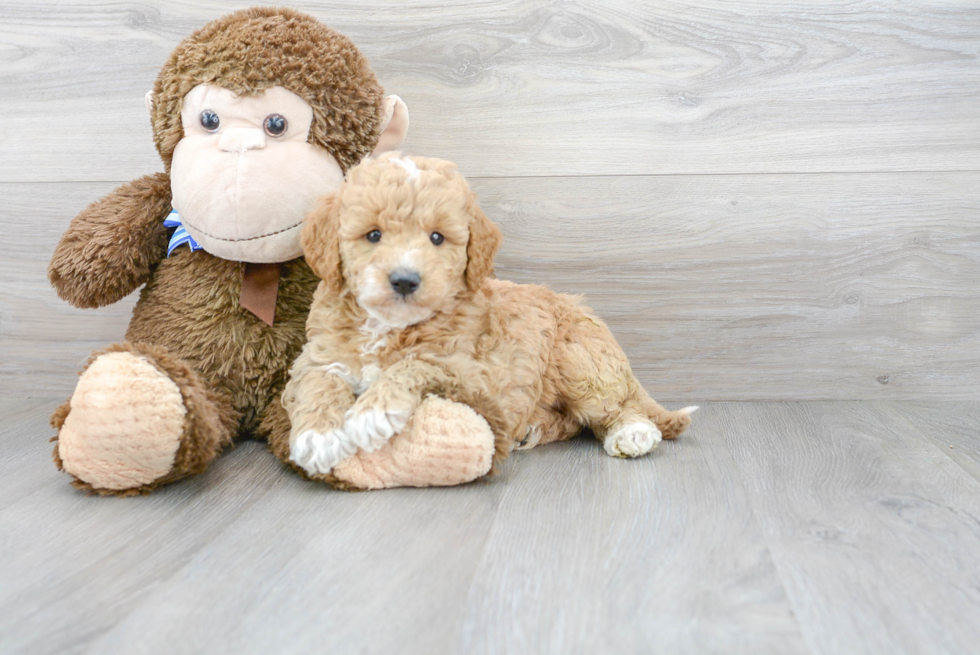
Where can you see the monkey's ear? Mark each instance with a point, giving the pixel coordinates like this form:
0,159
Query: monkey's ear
394,127
148,99
321,241
484,241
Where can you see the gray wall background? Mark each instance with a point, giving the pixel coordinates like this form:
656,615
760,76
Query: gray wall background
765,200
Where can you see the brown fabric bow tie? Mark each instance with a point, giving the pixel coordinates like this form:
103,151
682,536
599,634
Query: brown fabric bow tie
260,288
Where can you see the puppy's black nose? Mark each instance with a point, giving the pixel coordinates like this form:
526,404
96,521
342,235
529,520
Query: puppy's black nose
405,282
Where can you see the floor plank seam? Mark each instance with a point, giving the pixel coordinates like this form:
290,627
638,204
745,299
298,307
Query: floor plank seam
772,550
945,449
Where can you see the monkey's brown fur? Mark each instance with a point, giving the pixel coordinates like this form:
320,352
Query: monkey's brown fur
246,53
228,365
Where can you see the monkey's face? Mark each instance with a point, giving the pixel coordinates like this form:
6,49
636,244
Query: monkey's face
244,176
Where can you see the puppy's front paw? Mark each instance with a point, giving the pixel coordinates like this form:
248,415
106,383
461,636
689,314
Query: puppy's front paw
371,427
319,452
632,440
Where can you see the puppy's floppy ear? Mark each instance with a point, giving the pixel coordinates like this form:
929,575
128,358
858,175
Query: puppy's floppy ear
484,241
321,241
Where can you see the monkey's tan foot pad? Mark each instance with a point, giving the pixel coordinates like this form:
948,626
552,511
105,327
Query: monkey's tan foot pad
445,443
125,424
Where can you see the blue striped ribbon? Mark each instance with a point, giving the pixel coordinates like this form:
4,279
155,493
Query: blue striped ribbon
181,235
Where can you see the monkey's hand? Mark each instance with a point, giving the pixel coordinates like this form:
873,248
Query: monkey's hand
109,249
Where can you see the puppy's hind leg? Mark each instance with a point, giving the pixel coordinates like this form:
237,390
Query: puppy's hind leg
600,389
642,424
548,424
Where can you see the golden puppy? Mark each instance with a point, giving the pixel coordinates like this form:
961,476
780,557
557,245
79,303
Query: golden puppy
407,308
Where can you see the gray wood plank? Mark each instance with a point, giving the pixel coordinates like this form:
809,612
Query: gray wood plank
770,527
309,569
953,427
719,287
873,529
420,570
74,565
308,566
539,88
43,340
25,450
590,554
765,287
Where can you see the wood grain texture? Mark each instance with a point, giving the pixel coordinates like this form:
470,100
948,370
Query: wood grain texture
873,528
765,200
953,429
540,88
43,340
833,527
24,435
75,565
355,573
765,287
718,287
590,554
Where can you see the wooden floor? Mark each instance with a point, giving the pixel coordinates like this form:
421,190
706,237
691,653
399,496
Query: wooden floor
814,527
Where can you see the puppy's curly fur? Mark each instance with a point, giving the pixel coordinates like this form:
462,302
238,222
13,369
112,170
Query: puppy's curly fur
407,307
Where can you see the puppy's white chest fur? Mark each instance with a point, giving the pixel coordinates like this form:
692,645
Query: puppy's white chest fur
367,369
377,333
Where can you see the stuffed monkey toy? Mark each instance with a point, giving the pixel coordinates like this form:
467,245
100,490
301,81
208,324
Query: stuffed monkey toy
255,116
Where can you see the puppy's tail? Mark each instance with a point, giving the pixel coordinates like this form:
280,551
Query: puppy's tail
669,423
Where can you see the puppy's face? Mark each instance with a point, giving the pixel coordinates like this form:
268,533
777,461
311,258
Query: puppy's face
404,236
403,232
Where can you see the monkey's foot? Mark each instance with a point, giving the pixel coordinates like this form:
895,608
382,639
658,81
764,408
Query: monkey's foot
444,443
127,428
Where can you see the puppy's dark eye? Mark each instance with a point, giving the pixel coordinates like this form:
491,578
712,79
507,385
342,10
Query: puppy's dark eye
209,120
436,238
275,125
373,236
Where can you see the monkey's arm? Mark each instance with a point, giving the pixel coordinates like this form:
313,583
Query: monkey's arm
109,249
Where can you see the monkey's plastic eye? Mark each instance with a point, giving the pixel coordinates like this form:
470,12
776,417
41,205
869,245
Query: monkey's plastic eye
373,236
436,239
275,125
209,120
